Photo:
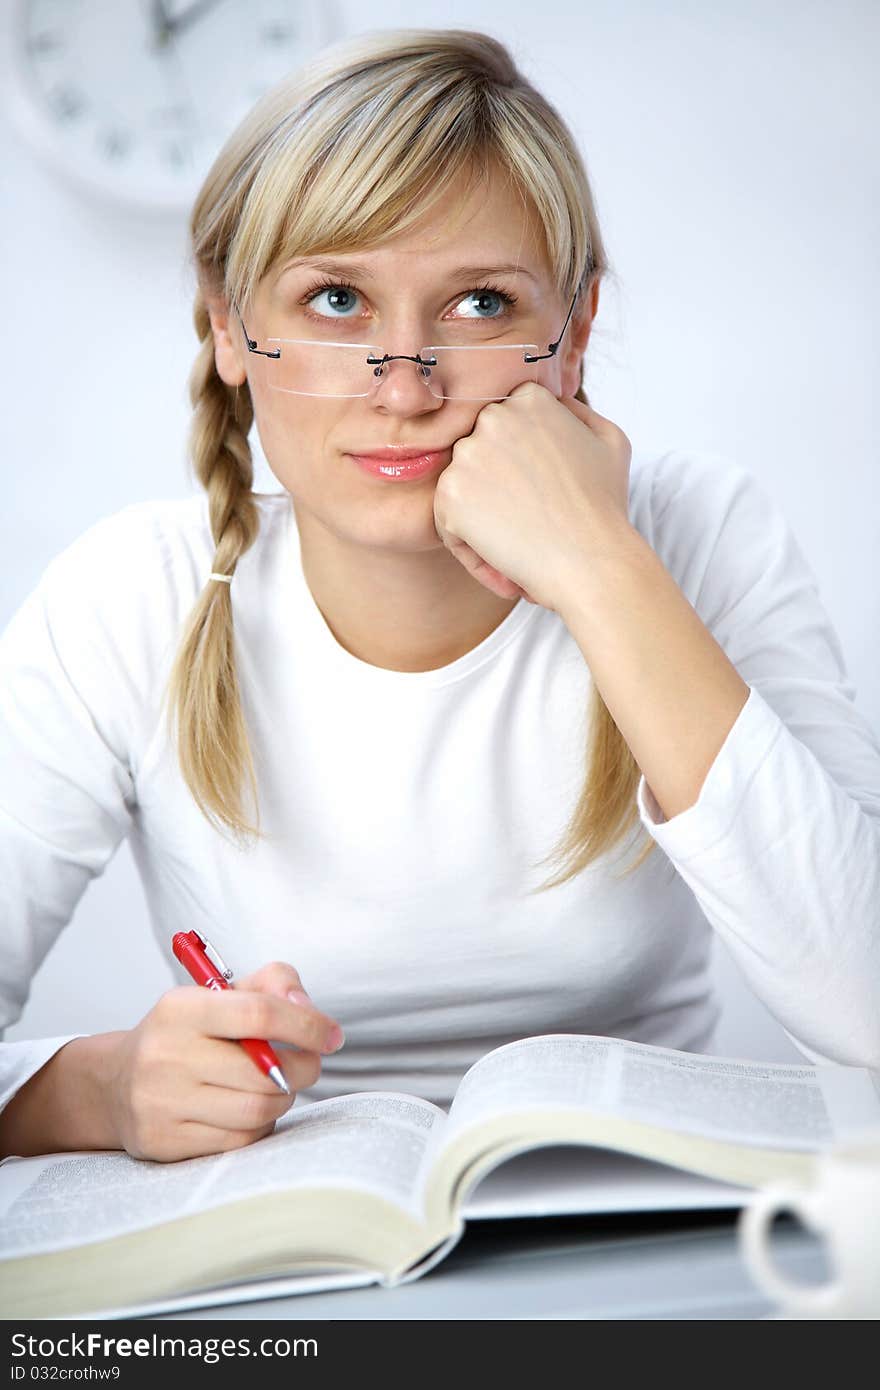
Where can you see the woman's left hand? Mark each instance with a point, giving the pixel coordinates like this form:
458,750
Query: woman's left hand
539,485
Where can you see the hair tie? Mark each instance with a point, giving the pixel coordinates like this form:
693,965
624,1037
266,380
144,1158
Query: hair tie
226,578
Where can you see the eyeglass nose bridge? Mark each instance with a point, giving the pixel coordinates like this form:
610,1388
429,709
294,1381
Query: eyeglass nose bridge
378,363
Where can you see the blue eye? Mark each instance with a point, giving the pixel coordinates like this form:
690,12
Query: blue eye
489,292
336,290
340,294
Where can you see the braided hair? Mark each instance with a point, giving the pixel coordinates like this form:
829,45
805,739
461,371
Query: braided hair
203,678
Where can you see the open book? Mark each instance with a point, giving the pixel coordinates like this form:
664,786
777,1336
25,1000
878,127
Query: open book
376,1187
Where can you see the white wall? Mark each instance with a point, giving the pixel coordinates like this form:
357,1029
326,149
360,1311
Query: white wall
734,152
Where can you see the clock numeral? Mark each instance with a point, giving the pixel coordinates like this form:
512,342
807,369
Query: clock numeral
44,45
67,102
115,144
176,156
178,114
277,33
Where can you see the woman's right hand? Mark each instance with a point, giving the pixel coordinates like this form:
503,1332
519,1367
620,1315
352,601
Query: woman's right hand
182,1086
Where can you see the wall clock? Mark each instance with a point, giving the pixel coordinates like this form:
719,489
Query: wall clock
132,99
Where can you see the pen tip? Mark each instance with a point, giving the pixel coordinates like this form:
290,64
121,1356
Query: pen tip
277,1077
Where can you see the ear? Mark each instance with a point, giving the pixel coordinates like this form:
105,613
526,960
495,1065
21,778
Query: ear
229,341
577,336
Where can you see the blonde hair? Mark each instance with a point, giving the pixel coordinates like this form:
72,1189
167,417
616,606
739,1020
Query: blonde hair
346,152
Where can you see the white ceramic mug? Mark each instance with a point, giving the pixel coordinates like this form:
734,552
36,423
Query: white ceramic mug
843,1206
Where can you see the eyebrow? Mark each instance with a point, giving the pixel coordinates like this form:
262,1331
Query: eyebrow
363,272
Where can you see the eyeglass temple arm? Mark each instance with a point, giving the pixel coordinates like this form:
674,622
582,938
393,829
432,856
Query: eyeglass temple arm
252,342
553,346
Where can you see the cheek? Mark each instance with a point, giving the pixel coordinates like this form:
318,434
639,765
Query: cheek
550,374
281,413
295,431
261,400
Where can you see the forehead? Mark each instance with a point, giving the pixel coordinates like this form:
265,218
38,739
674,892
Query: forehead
490,225
492,215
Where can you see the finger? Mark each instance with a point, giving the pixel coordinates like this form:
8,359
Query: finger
240,1013
281,979
606,429
301,1069
222,1108
225,1063
277,977
480,569
193,1140
496,582
585,413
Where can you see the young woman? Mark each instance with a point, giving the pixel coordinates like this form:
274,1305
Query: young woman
346,724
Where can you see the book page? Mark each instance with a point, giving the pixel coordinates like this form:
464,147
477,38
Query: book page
765,1103
373,1141
556,1180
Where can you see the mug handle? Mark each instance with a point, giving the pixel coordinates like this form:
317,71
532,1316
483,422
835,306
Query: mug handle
754,1231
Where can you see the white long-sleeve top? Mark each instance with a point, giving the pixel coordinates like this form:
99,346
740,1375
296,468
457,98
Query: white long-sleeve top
406,812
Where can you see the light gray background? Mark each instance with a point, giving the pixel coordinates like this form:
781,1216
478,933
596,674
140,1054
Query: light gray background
733,149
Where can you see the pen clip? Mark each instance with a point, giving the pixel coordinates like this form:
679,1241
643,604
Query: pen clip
214,955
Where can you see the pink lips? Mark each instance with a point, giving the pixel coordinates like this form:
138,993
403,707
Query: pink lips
402,465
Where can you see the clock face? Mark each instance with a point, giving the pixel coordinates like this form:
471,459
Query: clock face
134,98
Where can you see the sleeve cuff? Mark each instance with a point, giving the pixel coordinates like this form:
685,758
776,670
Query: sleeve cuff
19,1061
712,815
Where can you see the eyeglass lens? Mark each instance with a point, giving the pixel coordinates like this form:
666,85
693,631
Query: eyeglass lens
342,369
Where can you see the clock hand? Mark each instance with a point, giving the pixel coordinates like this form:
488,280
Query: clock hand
180,107
162,25
175,23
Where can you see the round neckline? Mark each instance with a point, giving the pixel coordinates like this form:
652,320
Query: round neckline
509,628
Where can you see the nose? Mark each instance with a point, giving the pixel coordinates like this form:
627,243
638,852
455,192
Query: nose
402,390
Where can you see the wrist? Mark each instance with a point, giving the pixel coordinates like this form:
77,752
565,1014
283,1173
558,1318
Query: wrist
94,1069
66,1105
593,577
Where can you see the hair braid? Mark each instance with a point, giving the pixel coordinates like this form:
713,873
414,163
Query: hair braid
212,736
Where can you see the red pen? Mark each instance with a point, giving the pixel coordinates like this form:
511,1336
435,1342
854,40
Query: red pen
192,952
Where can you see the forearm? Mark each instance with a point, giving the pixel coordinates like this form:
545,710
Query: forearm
63,1106
667,683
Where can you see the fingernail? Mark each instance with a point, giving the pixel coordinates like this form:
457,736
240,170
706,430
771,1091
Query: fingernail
299,996
335,1039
